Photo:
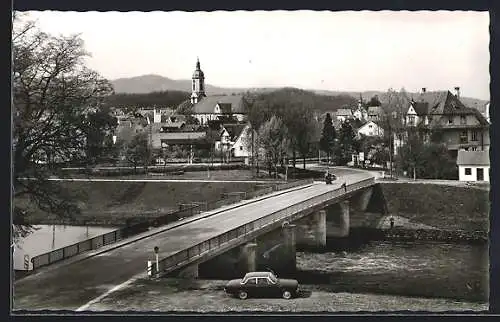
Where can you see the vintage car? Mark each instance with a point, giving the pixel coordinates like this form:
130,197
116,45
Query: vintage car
262,284
329,177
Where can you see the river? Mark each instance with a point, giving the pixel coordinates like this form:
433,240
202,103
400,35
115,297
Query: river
46,238
424,269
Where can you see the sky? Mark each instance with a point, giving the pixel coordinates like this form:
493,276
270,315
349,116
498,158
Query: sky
343,51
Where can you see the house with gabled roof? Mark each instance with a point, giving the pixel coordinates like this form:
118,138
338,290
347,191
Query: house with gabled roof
343,114
443,115
370,128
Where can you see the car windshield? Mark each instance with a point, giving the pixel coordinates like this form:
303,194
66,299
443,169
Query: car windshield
273,278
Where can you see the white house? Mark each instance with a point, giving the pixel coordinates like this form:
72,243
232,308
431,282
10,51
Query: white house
242,146
235,140
371,129
473,165
417,113
343,114
360,112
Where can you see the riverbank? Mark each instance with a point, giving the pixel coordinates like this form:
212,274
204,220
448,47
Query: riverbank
203,296
112,203
443,207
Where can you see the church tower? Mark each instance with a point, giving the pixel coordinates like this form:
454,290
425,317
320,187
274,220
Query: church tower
198,84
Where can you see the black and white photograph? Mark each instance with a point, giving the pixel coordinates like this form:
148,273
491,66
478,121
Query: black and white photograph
250,162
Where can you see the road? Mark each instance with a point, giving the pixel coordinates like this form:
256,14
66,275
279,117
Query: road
77,284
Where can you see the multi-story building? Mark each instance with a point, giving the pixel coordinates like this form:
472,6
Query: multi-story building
441,117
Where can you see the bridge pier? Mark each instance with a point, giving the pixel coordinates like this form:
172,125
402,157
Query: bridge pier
311,230
250,256
231,264
363,199
337,220
189,272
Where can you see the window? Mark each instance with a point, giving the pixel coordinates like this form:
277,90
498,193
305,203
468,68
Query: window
193,86
468,171
473,136
426,120
241,148
370,126
411,120
463,120
251,281
473,148
463,137
262,281
450,120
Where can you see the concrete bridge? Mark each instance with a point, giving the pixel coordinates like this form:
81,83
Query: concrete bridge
253,234
265,235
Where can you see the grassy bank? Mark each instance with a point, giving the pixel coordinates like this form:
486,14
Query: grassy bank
441,206
111,203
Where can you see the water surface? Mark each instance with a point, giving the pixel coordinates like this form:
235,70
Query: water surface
46,238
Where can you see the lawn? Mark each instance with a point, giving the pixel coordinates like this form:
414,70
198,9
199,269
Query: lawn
111,203
445,207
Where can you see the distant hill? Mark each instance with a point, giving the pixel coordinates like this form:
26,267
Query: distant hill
156,83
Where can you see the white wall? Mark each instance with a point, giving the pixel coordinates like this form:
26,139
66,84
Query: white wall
473,176
375,130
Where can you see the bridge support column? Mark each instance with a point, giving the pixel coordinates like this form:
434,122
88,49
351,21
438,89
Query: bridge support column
338,222
289,258
364,199
311,230
190,271
250,256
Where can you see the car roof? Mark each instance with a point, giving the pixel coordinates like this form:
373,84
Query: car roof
257,274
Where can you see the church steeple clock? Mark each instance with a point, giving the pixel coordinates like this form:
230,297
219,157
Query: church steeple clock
198,84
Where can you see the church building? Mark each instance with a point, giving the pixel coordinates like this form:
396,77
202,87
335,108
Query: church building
215,107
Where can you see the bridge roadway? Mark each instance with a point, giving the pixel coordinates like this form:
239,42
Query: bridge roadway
72,286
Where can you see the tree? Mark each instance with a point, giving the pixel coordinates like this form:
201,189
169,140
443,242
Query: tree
53,92
376,149
137,151
99,127
346,143
327,141
436,163
374,101
410,155
273,138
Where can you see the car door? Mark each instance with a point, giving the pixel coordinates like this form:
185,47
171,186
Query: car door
263,287
273,288
251,287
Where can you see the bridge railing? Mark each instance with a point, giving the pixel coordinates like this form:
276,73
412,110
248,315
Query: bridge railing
185,210
182,257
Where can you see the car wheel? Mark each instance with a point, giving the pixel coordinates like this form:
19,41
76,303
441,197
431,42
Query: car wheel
287,295
242,295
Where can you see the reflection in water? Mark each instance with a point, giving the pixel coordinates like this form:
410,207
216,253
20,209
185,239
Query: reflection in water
46,238
420,269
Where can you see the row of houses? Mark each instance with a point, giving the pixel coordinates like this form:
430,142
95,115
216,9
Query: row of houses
461,128
464,130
